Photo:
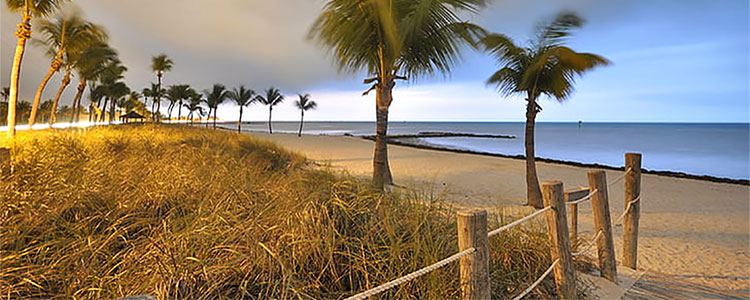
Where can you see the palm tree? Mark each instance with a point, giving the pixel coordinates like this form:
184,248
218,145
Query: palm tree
273,97
394,40
24,108
28,9
194,106
543,67
176,94
89,64
5,92
214,97
152,92
242,97
160,64
65,37
304,104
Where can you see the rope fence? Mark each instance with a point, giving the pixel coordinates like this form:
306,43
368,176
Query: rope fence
475,278
396,282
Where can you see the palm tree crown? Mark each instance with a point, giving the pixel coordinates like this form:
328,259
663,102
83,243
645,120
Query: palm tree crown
161,63
215,96
242,96
304,103
272,98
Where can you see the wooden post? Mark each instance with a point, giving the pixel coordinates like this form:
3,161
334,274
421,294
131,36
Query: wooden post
4,161
603,223
630,221
475,268
570,196
557,229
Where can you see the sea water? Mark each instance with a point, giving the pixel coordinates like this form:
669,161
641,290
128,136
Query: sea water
721,150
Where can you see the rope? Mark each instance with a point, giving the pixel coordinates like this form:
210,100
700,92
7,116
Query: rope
621,177
588,197
538,281
590,245
412,275
627,209
517,222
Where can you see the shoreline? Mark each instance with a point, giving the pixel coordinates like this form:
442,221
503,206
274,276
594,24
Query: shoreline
673,174
393,141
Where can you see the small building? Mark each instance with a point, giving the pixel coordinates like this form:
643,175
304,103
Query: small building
132,116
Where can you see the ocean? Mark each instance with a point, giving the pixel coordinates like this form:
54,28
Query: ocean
719,150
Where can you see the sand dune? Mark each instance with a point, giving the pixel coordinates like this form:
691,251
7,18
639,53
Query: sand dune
695,230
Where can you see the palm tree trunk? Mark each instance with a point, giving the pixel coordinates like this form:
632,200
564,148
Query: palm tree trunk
153,105
270,112
208,117
158,98
179,111
533,192
23,34
215,117
103,109
112,109
65,82
239,124
381,170
38,96
77,100
301,121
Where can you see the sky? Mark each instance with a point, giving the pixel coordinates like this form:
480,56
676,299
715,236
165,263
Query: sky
673,60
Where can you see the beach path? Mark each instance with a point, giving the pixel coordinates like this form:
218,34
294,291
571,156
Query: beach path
696,231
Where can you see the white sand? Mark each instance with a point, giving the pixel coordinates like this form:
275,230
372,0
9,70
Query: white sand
693,229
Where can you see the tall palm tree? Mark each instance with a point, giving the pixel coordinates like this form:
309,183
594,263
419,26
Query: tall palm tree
394,40
242,97
28,10
176,94
194,106
160,64
111,87
543,67
64,38
89,64
273,97
304,104
215,96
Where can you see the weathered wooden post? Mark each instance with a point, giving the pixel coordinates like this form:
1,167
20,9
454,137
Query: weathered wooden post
603,222
4,161
570,196
630,222
557,229
475,268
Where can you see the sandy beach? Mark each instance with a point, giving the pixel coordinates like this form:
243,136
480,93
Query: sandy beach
694,230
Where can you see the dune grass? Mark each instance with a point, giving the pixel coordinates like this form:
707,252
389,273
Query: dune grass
187,213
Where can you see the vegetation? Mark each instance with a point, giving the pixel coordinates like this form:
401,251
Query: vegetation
160,64
28,10
393,40
215,96
544,67
186,213
304,104
272,98
242,97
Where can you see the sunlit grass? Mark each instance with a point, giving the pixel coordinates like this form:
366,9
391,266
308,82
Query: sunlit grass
190,213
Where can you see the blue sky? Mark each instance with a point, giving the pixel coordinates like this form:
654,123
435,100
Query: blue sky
673,60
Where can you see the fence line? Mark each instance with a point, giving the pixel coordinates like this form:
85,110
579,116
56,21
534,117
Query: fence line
396,282
538,281
563,246
518,222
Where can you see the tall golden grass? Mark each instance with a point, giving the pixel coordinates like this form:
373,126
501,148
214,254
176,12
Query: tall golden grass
187,213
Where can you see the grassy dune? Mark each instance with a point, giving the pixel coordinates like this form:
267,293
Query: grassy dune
181,212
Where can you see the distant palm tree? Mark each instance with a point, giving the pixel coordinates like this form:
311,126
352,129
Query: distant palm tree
28,10
215,96
194,106
111,88
176,94
153,93
44,109
304,104
242,97
89,64
394,40
24,108
64,38
544,67
4,93
160,64
273,97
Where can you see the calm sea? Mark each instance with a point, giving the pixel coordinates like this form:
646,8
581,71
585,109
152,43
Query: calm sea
721,150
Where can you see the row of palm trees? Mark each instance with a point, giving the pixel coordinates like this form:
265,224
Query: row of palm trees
403,39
